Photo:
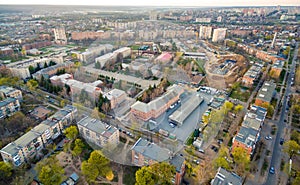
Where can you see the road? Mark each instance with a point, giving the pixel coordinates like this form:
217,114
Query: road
276,155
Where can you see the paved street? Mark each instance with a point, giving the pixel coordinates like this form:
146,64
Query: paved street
276,155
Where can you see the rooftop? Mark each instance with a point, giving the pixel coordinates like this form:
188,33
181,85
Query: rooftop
278,64
266,92
186,109
247,136
159,102
97,126
7,101
224,177
151,150
114,93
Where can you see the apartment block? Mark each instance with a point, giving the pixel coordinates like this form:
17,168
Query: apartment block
219,34
27,146
251,75
158,106
276,69
98,132
52,70
265,94
116,97
8,107
205,32
9,92
92,53
145,153
60,36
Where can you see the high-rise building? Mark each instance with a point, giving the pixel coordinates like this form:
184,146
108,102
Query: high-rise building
205,32
219,34
60,36
153,16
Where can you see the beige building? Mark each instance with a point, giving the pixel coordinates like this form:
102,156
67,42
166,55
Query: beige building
98,132
205,32
60,36
115,96
27,146
219,34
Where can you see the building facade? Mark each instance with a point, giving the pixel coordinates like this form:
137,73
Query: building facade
219,34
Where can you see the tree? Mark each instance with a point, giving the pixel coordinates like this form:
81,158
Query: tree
62,103
270,110
291,147
32,84
96,165
228,106
5,171
241,159
222,159
31,69
89,171
238,108
164,171
78,147
144,177
71,132
50,172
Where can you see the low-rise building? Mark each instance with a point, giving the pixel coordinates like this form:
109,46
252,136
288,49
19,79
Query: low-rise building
276,69
224,177
115,96
251,75
9,92
26,147
8,107
98,132
145,153
40,113
158,106
246,138
52,70
164,58
265,94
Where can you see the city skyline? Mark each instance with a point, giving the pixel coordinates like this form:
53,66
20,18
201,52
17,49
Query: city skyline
160,3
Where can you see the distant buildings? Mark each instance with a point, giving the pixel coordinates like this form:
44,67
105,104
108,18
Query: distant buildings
78,36
203,20
27,146
158,106
145,153
6,51
153,16
265,94
21,68
36,45
164,57
91,54
205,32
98,132
60,36
219,34
224,177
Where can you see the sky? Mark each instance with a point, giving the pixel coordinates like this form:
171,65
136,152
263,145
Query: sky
160,2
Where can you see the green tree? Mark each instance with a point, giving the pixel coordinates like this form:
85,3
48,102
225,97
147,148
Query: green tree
228,106
296,180
31,69
144,177
32,84
99,163
71,132
78,147
5,171
291,147
222,159
50,172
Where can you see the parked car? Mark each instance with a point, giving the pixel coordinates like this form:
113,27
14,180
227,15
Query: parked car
272,170
281,141
214,148
268,138
196,161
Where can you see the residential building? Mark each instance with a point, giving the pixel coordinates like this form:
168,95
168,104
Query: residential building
8,107
224,177
158,106
246,138
251,75
265,94
116,97
9,92
91,54
203,20
36,45
205,32
276,69
145,153
60,36
52,70
164,58
219,34
21,68
153,16
98,132
90,35
40,113
27,146
6,51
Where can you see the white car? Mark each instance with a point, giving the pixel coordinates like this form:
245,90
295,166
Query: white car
268,138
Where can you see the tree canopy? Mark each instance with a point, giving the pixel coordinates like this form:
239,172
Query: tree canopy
5,170
291,147
71,132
